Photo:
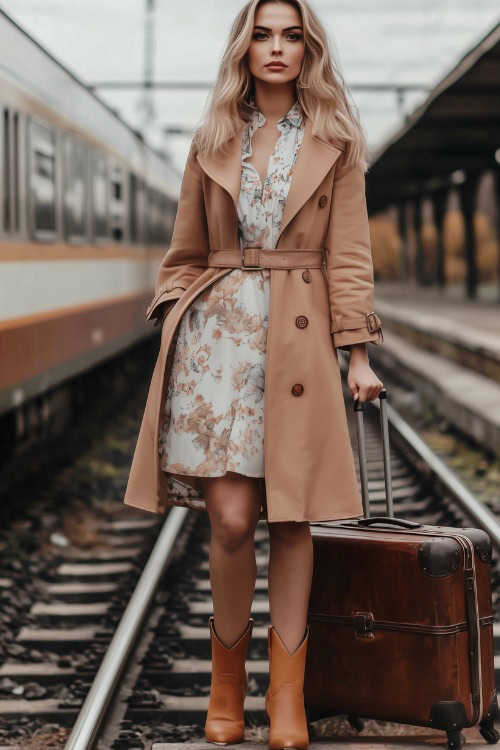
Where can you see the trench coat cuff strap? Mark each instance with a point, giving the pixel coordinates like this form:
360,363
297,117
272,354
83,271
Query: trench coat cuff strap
163,311
347,331
170,290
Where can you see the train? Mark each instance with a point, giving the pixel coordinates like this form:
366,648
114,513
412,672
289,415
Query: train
87,210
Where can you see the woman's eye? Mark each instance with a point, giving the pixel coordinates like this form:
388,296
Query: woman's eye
296,37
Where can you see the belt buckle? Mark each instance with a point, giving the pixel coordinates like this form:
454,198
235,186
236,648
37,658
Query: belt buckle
369,321
243,266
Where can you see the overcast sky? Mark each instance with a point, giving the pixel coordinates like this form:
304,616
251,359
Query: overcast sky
377,41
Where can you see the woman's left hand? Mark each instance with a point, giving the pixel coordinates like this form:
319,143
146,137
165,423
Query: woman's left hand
361,380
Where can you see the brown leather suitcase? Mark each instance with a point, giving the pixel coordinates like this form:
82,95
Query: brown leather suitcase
401,623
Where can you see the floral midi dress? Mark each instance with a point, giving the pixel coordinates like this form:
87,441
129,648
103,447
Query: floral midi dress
213,419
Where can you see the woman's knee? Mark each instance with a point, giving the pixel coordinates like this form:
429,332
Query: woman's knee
233,504
232,530
288,531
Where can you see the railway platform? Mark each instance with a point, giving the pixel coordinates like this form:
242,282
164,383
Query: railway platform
449,349
410,741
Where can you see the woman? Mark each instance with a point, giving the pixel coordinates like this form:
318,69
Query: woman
224,403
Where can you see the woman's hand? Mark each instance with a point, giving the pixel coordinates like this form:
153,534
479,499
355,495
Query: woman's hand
361,380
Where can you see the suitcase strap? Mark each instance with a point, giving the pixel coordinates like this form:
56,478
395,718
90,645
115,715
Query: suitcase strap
474,632
473,620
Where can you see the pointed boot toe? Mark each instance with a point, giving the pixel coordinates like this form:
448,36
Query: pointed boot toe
225,722
284,701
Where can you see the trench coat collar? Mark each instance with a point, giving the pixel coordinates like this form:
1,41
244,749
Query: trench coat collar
315,159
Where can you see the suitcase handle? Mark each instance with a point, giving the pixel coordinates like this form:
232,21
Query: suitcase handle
388,519
384,427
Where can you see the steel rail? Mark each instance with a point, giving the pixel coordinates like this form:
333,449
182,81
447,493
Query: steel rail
89,720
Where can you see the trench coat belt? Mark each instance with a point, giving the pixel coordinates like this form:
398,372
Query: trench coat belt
257,257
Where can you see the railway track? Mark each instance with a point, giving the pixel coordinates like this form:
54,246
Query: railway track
154,678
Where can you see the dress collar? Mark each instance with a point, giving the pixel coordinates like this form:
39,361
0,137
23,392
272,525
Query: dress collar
294,116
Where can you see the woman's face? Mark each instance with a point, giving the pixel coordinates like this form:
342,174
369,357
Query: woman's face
278,36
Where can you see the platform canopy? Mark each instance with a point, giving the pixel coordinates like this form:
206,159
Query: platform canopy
456,128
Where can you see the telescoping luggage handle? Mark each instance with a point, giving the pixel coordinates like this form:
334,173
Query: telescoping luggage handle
384,428
462,539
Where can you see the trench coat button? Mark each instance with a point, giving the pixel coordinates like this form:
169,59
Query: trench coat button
307,276
323,201
301,321
298,389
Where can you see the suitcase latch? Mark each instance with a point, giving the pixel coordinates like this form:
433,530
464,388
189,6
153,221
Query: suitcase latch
363,623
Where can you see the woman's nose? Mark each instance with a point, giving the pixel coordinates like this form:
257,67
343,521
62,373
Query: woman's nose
277,45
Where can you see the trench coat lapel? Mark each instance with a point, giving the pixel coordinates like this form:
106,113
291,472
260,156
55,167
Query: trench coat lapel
316,158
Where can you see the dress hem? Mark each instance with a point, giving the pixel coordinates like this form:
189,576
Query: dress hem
209,476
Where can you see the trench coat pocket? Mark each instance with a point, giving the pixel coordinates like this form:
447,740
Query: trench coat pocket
169,291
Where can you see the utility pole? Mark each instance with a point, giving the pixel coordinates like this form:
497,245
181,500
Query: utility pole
146,101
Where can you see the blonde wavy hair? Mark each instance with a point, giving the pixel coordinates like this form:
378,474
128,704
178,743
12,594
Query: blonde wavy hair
320,86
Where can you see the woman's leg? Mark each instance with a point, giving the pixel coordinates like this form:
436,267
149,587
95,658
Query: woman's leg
290,576
233,505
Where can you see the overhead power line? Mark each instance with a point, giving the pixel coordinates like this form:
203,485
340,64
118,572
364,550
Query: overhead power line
148,84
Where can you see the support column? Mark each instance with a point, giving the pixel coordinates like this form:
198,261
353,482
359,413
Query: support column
419,255
404,261
439,206
467,192
496,172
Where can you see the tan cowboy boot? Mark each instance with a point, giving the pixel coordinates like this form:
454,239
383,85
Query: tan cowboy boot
285,695
225,723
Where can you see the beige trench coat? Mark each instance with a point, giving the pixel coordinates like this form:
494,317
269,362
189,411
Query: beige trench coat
309,466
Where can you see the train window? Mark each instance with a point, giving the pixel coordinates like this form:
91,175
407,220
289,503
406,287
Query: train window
117,190
145,214
161,218
75,188
139,202
15,176
167,219
117,205
100,197
159,214
43,179
133,206
157,217
6,170
170,218
10,176
152,216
